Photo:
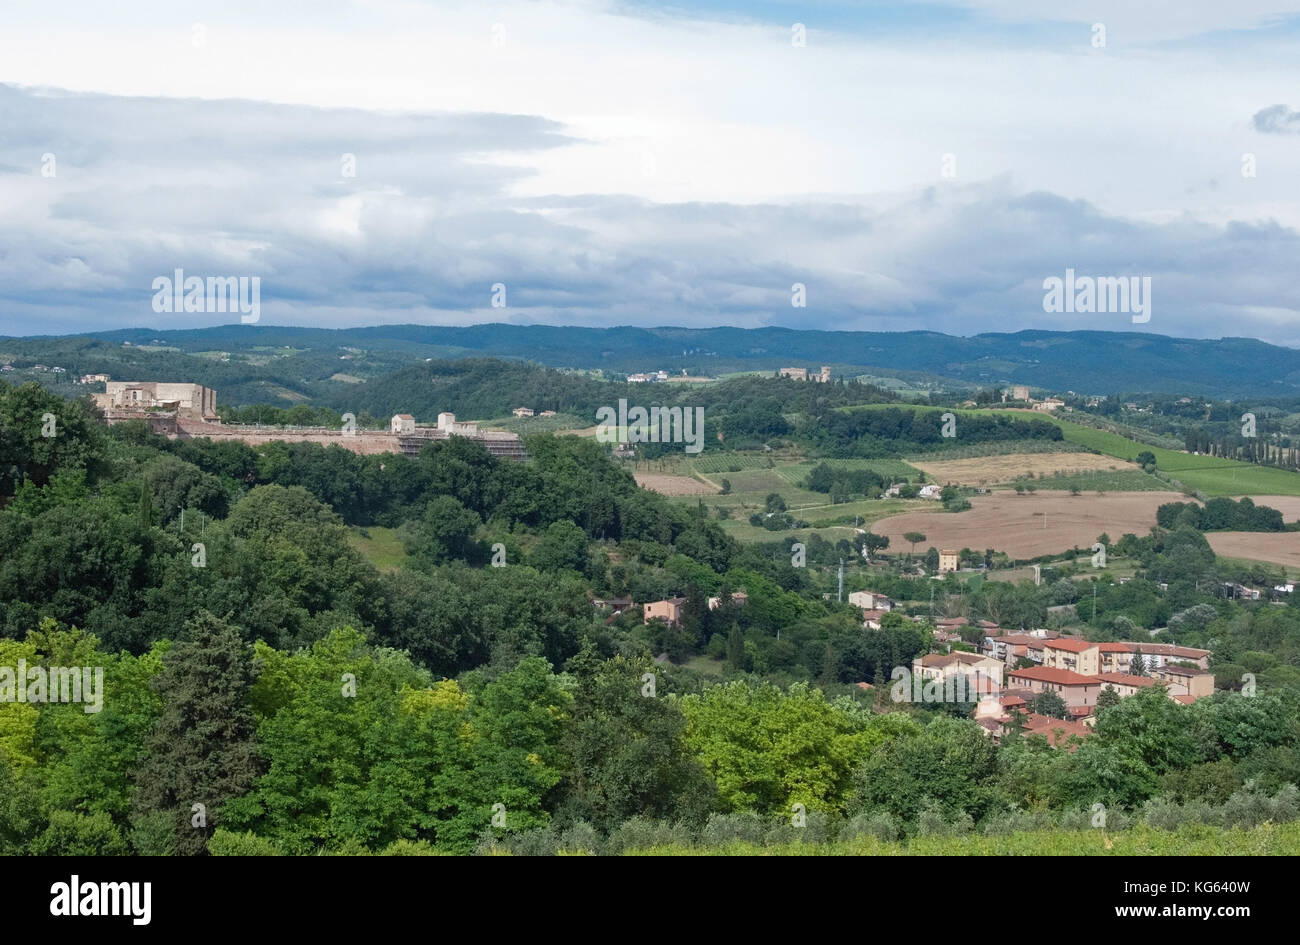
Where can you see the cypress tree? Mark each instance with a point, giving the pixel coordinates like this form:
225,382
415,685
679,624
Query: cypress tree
202,749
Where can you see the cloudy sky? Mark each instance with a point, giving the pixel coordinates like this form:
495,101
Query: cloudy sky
914,165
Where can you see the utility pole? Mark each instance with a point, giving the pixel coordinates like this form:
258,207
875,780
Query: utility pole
840,597
1094,601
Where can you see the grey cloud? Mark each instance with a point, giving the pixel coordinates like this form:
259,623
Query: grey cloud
1277,120
431,221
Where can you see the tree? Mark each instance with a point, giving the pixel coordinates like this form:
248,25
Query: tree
736,648
914,538
873,543
202,749
1050,704
932,560
1138,666
628,751
774,502
1105,699
446,531
563,546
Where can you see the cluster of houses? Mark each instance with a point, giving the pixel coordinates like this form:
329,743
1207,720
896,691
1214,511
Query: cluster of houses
928,491
801,374
651,378
669,610
1020,392
1013,669
529,412
38,368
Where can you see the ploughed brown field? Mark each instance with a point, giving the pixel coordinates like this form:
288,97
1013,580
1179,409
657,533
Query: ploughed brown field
1005,521
1274,547
672,485
986,470
1288,505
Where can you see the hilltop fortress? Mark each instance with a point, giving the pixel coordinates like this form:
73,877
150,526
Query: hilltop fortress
189,411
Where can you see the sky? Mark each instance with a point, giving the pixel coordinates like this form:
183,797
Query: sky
910,165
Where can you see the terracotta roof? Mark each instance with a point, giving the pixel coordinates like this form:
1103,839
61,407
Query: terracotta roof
1127,679
1182,671
1185,700
1113,647
1056,730
1064,677
1070,646
1080,711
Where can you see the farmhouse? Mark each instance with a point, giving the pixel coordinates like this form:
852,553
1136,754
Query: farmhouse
871,600
669,610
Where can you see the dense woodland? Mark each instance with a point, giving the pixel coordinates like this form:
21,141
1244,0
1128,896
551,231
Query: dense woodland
257,664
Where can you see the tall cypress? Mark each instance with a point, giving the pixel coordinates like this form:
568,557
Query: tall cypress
203,748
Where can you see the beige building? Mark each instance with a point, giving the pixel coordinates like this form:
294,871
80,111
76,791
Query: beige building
190,401
798,373
669,610
403,423
1197,683
947,561
870,600
1075,688
943,665
523,411
1078,656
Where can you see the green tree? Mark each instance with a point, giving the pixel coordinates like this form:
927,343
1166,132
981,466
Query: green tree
736,648
1049,704
563,546
627,749
202,749
1107,698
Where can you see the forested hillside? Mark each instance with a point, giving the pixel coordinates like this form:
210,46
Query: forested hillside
473,699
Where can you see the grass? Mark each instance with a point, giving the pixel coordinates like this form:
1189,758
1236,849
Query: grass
525,425
1189,840
1120,480
383,548
1210,475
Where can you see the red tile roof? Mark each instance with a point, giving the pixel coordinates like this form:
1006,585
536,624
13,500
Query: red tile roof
1056,730
1070,646
1127,679
1182,671
1064,677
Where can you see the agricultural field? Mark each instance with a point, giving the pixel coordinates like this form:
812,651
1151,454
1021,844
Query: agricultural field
993,470
673,485
1028,526
1210,475
1288,505
1270,547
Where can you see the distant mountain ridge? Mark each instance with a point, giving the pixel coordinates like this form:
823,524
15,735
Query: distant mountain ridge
1086,362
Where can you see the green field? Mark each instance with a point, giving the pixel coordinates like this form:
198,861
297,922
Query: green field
526,425
383,548
1207,474
1120,480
